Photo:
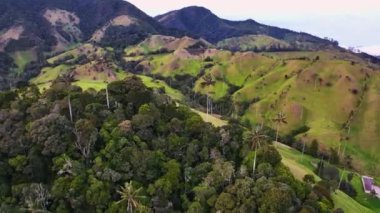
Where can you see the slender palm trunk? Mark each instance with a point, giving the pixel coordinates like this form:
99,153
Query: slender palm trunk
277,129
303,150
254,164
108,100
210,106
70,109
207,104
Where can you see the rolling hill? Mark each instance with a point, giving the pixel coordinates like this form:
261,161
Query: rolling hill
327,91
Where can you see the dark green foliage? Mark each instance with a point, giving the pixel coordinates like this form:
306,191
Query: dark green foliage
309,179
121,37
174,160
269,155
347,188
334,157
314,148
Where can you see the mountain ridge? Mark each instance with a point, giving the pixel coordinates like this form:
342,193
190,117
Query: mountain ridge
203,23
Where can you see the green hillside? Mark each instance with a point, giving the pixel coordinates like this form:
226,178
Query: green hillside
327,91
303,164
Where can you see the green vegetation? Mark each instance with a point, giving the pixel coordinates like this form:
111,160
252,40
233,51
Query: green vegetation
100,144
49,74
23,58
345,202
213,119
326,91
152,83
129,148
300,165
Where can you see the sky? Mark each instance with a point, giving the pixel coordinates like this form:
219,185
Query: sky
354,23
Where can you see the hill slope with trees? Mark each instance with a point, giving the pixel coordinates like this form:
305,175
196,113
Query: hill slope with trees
67,149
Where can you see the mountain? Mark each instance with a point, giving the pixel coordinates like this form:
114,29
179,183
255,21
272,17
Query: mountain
203,23
55,24
30,29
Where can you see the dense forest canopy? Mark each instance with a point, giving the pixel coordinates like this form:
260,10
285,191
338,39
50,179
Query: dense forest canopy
65,150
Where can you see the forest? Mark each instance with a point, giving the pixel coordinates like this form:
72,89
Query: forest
128,148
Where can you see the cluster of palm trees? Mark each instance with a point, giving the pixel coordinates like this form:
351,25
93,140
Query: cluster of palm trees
208,81
256,137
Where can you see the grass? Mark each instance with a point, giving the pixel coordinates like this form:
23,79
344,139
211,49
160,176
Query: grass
22,58
152,83
345,202
300,165
217,122
216,91
362,197
47,75
172,65
311,93
292,87
90,84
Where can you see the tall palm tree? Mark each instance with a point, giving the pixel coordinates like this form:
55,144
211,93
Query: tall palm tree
131,196
107,95
255,137
67,79
208,81
279,119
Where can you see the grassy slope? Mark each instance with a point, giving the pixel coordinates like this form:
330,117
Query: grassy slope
22,58
313,93
304,165
47,75
282,83
214,120
169,65
151,83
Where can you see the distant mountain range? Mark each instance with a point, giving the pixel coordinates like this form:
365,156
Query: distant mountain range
56,24
203,23
30,30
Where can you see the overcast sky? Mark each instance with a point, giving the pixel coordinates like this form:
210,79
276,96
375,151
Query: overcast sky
351,22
